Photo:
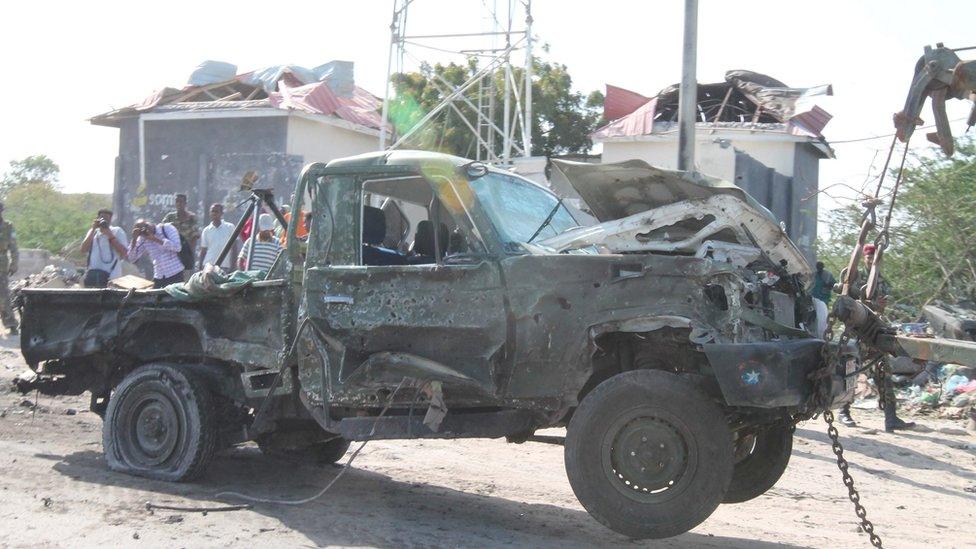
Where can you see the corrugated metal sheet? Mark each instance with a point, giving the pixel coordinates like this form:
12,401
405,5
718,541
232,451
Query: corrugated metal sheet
639,122
327,90
361,107
619,102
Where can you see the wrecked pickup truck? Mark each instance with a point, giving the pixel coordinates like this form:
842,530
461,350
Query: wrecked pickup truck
440,298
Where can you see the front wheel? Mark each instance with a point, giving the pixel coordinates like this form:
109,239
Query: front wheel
160,423
648,455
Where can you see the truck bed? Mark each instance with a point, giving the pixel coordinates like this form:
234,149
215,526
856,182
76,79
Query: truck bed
120,326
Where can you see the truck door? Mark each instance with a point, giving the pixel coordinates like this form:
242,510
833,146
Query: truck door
406,292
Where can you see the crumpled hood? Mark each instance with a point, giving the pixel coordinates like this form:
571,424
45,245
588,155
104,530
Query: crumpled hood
643,208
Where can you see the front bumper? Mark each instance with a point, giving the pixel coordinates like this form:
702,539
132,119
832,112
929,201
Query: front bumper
772,374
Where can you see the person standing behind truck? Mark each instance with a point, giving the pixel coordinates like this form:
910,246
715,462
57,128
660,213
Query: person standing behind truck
882,292
185,222
106,246
162,243
9,258
213,239
823,283
266,249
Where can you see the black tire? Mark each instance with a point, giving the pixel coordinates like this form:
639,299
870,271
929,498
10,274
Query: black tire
323,452
160,423
760,468
673,425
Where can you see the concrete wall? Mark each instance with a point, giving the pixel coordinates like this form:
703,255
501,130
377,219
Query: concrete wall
711,158
204,158
319,142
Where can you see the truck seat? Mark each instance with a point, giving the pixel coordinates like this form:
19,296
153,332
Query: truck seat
423,243
374,231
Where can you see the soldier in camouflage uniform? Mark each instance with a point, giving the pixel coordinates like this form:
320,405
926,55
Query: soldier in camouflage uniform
185,222
887,389
9,257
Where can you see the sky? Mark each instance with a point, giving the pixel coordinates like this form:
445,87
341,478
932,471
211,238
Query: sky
63,62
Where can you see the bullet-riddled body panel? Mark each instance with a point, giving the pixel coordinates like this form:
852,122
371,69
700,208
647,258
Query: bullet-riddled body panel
561,302
453,315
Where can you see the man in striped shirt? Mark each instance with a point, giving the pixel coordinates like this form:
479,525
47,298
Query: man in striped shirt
162,243
266,248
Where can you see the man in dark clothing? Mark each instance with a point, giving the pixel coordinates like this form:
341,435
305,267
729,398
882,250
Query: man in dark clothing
185,222
882,291
823,283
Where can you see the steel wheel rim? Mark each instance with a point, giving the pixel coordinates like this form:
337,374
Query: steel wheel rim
645,457
153,432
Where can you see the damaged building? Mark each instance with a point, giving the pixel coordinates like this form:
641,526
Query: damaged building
200,139
752,129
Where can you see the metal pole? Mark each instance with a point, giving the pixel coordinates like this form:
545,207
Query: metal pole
527,121
229,245
688,98
255,217
506,123
389,67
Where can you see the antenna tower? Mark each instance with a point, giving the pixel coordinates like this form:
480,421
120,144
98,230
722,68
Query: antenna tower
475,101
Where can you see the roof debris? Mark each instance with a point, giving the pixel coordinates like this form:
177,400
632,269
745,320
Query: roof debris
744,99
328,89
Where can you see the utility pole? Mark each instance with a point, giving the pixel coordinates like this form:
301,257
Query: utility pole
688,96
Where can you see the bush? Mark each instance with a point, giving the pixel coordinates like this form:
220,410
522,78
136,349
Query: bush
48,219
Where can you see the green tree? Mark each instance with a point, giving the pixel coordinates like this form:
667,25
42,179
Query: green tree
33,169
48,219
932,254
562,118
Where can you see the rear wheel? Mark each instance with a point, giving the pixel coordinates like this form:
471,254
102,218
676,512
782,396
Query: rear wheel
648,455
160,423
287,446
761,458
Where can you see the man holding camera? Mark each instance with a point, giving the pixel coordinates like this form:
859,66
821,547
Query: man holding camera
162,243
106,247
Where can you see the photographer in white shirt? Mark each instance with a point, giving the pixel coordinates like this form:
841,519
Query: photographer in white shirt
106,246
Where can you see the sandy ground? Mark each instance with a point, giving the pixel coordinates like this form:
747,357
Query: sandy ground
919,489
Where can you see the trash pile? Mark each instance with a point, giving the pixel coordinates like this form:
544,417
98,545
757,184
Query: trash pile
946,390
923,388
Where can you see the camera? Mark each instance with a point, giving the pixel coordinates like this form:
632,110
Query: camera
102,224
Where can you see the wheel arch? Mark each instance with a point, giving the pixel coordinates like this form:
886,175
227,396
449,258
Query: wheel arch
652,342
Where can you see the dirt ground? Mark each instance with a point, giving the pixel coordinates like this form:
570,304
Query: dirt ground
919,489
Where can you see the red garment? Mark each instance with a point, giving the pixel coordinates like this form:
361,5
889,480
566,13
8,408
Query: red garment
246,231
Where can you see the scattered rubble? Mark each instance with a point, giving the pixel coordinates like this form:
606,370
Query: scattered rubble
954,321
49,277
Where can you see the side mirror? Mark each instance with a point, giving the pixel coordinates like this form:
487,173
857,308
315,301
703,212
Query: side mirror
473,170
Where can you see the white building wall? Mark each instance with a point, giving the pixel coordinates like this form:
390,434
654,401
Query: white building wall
321,142
711,158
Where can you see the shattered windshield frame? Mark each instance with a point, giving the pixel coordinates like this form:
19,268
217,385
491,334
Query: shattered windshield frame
521,211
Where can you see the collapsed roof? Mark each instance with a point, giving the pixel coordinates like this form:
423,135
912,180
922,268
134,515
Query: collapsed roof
745,98
327,90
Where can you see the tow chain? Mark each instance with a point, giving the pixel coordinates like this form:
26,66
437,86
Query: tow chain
831,361
852,492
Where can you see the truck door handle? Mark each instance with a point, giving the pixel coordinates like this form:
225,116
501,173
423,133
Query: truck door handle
345,299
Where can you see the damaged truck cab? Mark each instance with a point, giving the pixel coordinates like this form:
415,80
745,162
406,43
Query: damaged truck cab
439,298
